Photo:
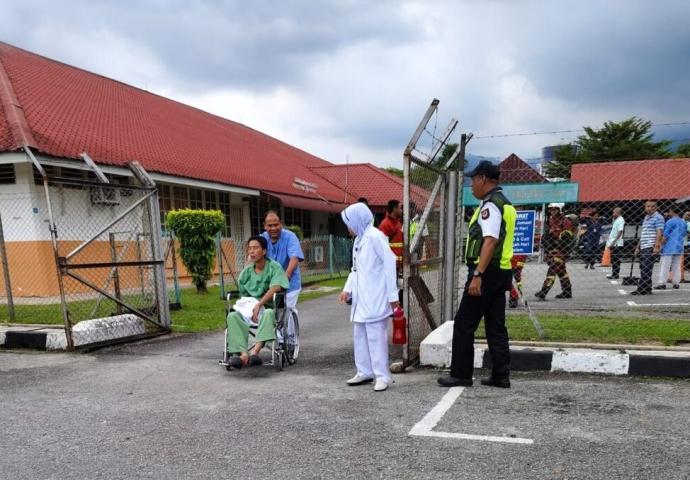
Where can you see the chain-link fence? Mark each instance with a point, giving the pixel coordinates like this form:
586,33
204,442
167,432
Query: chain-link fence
430,186
325,257
610,241
82,250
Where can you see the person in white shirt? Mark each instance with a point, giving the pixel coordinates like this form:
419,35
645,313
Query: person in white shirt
371,285
615,242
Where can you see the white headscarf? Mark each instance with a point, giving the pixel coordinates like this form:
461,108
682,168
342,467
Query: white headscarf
357,217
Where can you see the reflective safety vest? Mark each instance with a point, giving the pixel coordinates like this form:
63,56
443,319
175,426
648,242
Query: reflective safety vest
475,238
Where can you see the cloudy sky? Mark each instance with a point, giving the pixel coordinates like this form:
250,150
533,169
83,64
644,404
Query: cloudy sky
349,80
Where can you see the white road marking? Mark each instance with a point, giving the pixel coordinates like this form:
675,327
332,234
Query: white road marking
631,303
613,282
425,427
622,292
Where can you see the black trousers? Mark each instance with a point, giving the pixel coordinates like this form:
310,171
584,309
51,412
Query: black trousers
591,254
616,256
647,259
492,306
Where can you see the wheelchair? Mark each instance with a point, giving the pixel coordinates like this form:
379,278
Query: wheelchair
285,348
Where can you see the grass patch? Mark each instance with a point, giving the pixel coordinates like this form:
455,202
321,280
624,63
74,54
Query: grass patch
201,313
570,328
205,312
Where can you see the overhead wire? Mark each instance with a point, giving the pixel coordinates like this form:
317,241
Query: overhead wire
554,132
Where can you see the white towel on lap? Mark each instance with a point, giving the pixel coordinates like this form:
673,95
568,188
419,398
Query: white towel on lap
245,307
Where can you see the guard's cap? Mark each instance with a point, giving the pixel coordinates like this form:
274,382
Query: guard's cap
486,168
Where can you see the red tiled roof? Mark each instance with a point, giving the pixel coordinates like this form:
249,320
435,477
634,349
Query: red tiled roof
373,183
515,170
634,180
309,203
69,111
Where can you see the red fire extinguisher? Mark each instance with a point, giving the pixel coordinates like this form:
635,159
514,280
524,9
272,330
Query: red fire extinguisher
399,327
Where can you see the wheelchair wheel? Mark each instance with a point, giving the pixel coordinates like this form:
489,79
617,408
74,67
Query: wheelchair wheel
291,338
279,360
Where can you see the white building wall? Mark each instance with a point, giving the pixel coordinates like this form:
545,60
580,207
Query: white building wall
24,214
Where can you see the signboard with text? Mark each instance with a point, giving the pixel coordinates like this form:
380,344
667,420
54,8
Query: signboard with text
523,243
531,193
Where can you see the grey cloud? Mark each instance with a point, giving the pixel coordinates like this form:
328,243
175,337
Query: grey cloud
233,44
609,53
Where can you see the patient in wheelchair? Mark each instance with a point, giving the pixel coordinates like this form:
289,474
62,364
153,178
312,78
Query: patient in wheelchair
258,282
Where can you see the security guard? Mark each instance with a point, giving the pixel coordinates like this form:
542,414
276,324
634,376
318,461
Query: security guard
488,252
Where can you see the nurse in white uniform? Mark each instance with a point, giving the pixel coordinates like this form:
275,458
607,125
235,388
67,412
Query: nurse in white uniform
372,287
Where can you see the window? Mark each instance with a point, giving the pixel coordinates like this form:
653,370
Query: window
210,200
164,201
73,174
7,174
299,217
237,217
196,201
180,198
224,203
258,206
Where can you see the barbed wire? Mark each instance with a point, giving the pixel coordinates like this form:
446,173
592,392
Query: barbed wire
555,132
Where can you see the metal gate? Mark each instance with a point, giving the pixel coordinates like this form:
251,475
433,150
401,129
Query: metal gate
106,240
429,246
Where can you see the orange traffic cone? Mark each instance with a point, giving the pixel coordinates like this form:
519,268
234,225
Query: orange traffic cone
606,258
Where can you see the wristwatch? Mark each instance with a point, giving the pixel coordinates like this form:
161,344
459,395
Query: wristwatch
477,273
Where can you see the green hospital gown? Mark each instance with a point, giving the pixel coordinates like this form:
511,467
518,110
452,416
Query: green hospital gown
252,284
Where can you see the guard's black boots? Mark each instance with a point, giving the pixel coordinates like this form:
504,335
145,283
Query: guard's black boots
450,381
494,381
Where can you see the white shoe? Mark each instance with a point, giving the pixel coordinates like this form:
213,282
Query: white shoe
359,380
380,386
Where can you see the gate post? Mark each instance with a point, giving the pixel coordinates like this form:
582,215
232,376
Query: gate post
162,305
449,245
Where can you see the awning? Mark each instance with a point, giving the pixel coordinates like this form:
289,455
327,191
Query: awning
304,203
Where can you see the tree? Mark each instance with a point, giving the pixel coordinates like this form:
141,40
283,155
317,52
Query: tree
683,151
424,177
395,171
615,141
196,230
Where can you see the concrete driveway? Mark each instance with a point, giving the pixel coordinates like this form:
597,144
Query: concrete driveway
165,409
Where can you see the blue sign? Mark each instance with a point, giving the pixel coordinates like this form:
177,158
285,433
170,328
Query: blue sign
523,243
531,193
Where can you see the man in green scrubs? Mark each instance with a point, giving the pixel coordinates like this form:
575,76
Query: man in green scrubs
261,279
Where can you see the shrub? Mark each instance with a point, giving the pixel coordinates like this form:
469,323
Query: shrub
196,230
297,230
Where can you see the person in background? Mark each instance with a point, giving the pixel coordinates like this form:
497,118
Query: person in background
284,248
391,226
648,247
371,285
590,239
615,242
675,231
557,246
686,248
517,263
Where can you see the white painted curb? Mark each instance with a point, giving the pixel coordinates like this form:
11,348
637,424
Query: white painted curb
588,361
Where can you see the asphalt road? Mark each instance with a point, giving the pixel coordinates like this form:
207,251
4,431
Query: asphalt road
165,409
